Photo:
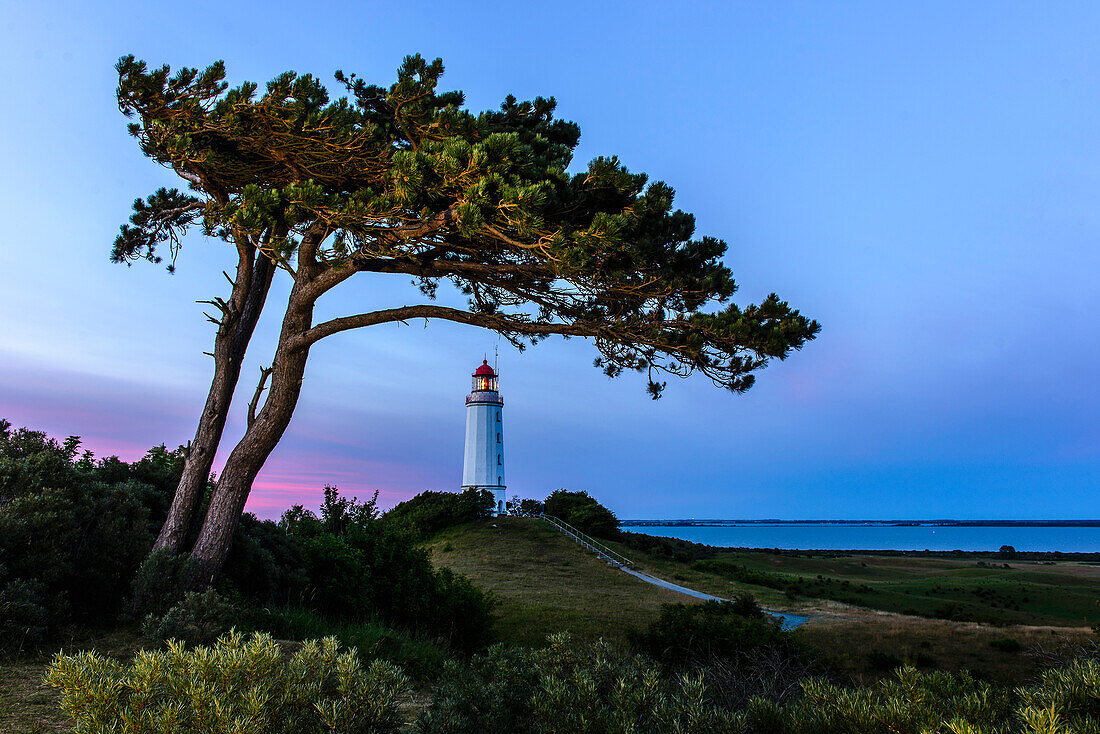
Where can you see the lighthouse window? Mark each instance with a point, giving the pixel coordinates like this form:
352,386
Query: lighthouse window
498,438
500,480
499,462
498,416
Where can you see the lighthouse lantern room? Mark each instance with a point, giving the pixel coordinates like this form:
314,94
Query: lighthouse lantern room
483,465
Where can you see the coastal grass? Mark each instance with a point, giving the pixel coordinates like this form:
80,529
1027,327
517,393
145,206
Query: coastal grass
867,647
543,582
973,588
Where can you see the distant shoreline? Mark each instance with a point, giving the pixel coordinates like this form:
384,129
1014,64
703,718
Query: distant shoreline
869,523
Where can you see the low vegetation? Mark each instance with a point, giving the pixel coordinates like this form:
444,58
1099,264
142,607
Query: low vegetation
237,685
968,587
406,602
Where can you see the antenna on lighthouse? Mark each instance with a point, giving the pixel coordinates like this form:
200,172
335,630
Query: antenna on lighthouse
496,359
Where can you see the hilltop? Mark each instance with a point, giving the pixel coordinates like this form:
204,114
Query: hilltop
543,582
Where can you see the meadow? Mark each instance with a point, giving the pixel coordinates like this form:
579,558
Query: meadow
868,612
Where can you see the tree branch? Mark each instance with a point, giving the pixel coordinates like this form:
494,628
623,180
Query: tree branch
265,372
497,322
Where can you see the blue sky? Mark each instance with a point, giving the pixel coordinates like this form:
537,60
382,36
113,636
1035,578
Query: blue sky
922,178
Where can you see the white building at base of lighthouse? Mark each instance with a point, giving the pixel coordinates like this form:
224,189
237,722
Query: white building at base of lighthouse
483,465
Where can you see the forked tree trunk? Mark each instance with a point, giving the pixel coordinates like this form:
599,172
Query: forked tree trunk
250,289
259,440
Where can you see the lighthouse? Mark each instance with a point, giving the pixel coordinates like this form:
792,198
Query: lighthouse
483,465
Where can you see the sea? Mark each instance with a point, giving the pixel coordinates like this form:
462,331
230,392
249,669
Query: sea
939,535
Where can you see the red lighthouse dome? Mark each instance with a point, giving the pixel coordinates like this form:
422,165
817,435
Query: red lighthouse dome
485,379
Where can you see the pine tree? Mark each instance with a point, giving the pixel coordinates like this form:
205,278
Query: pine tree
403,180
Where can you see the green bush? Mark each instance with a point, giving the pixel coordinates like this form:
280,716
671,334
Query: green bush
265,564
73,530
584,513
565,688
1063,701
361,568
420,657
158,584
198,619
523,507
24,618
465,612
430,512
694,634
234,686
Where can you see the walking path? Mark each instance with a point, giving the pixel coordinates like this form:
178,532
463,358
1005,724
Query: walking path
790,621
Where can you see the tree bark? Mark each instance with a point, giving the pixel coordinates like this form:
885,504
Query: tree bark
238,322
260,438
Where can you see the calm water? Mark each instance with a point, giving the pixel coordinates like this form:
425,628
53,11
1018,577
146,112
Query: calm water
883,537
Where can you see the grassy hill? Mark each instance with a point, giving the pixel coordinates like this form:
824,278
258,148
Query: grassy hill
545,583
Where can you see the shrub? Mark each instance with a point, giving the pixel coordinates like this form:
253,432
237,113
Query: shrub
265,564
360,567
421,658
25,618
430,512
73,530
882,661
198,619
692,634
583,512
236,685
465,612
522,507
1064,699
910,702
158,583
567,687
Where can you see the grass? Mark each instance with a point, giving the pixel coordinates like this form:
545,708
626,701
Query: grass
29,707
854,644
974,588
545,583
866,610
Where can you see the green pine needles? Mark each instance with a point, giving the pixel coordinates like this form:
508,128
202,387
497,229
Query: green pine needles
403,179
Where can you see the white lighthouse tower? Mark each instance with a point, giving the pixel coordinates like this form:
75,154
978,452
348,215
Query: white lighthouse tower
483,466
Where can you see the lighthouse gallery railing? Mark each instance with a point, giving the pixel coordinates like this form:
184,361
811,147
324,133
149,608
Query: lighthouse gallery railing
588,542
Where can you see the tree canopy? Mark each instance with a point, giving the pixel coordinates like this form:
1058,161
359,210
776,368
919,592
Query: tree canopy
405,180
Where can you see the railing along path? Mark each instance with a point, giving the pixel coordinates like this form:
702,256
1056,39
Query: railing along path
589,542
790,621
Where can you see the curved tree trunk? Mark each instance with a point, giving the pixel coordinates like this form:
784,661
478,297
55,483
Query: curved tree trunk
238,322
259,440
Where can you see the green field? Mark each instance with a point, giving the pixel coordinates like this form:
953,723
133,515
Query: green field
989,589
865,610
